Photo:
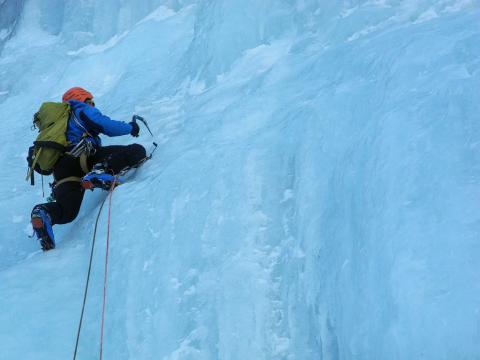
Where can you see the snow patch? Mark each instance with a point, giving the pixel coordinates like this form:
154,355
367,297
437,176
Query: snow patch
95,49
426,16
256,61
161,13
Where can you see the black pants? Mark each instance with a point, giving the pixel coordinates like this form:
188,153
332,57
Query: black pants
69,195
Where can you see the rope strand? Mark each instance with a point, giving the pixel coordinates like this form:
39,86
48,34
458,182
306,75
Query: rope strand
88,278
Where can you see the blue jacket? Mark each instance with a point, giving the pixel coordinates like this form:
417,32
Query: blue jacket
88,119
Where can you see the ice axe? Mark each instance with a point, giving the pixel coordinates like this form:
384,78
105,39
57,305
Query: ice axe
139,118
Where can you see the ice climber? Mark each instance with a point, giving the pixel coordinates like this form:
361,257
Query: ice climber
85,164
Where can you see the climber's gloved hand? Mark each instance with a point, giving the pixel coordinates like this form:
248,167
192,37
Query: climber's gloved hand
135,129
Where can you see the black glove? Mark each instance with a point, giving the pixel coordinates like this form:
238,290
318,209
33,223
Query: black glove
135,129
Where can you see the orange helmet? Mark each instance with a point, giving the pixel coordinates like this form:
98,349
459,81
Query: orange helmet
76,93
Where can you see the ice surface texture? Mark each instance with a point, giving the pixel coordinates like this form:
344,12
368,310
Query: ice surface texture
315,194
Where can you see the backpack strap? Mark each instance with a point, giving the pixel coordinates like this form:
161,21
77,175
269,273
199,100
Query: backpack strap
30,170
49,144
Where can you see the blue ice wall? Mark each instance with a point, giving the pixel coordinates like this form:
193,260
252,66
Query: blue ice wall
10,13
314,195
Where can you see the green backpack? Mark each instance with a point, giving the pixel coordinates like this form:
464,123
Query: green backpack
51,142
